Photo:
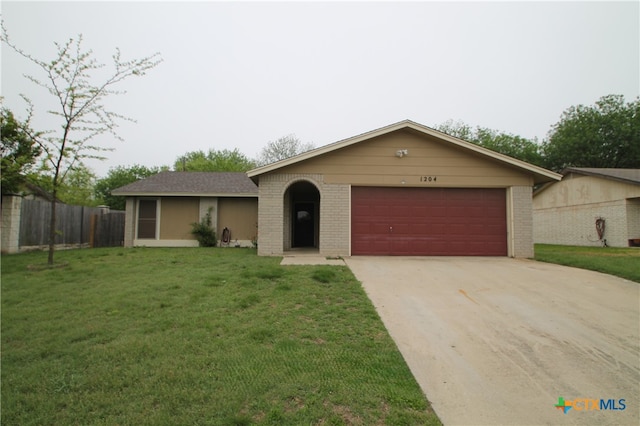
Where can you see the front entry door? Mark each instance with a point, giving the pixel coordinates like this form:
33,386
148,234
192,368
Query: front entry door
304,225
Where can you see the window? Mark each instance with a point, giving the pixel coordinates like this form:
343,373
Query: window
147,218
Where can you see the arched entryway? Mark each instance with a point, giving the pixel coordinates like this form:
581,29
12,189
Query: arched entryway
302,216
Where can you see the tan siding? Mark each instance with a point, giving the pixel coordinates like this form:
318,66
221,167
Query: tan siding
375,163
240,215
176,216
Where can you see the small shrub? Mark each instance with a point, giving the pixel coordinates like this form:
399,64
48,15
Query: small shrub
204,232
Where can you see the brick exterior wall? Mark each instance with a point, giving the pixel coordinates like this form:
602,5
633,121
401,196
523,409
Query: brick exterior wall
633,218
566,212
335,217
520,221
576,225
274,226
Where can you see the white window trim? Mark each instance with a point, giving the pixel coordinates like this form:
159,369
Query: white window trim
158,209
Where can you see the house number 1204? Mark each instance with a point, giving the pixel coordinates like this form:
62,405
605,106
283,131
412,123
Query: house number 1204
428,178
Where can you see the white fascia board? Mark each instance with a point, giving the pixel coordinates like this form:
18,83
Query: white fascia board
184,194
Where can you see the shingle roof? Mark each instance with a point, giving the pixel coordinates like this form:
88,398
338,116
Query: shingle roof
624,175
233,184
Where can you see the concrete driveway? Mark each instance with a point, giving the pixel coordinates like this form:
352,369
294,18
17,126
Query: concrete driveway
498,341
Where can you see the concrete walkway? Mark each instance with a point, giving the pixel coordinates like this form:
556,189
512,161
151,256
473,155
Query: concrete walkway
498,341
310,259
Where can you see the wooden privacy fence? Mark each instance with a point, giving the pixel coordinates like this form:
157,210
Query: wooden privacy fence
107,229
77,226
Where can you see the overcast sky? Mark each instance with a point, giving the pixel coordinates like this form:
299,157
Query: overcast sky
241,74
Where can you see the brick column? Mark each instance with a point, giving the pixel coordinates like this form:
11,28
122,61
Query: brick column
130,221
270,216
11,207
520,218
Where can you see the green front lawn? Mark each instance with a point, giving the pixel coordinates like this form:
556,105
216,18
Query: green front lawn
622,262
196,336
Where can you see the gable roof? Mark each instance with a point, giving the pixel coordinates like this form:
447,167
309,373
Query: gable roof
540,174
624,175
209,184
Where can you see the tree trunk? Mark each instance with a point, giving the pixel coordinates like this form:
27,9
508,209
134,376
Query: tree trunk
52,230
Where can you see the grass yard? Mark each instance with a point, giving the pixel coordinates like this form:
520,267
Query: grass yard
196,336
622,262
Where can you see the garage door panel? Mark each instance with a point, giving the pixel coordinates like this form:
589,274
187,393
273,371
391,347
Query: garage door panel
380,229
378,210
400,210
379,245
419,210
421,228
401,229
360,228
437,228
458,230
457,211
475,211
437,211
429,221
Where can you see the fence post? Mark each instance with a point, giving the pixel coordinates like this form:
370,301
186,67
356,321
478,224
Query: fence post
82,225
92,230
11,207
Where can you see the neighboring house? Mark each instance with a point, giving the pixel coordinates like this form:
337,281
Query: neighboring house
161,208
404,189
566,212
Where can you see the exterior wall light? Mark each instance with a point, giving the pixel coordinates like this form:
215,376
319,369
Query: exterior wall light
402,152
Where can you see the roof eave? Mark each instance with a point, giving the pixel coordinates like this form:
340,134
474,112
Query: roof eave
184,194
579,171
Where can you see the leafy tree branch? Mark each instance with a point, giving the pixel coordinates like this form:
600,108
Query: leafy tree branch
70,77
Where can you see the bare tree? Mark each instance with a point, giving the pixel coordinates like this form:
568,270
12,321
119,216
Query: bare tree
70,77
280,149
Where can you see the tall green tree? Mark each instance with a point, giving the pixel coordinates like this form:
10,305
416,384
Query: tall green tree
282,148
80,86
505,143
118,177
78,187
19,152
213,161
606,134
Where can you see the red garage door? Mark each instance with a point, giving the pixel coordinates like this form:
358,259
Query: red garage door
428,221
